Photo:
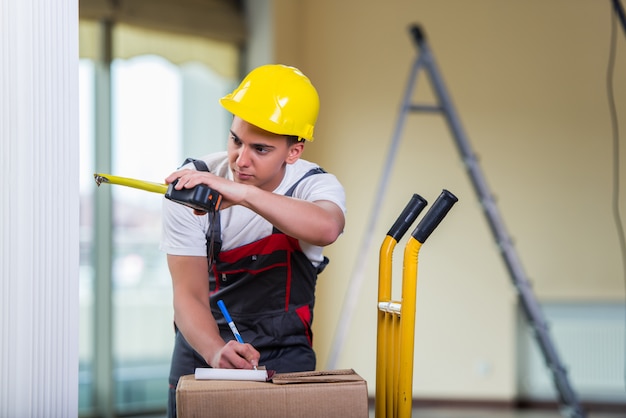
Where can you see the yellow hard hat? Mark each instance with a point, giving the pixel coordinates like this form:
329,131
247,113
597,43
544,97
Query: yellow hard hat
276,98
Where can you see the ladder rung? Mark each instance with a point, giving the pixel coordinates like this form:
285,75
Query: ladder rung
425,108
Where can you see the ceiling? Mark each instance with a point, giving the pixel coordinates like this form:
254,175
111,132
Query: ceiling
216,19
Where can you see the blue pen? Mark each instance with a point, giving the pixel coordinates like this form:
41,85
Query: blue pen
229,320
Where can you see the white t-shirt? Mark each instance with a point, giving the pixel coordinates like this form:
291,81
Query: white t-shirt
185,233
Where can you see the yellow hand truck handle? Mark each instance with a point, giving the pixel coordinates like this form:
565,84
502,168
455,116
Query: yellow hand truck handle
396,319
385,350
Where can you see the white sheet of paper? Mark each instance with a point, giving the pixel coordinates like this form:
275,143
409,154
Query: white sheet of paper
230,374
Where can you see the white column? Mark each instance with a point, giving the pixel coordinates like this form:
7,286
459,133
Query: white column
39,208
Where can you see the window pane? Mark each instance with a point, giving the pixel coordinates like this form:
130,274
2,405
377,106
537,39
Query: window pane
161,114
157,120
146,130
86,272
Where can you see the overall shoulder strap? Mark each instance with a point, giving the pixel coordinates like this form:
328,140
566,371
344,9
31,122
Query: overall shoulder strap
214,232
316,170
199,164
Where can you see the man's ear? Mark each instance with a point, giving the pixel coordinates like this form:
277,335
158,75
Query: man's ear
295,151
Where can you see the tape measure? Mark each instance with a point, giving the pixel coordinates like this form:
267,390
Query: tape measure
201,197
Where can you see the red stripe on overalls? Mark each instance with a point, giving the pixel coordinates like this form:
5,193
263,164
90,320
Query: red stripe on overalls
265,246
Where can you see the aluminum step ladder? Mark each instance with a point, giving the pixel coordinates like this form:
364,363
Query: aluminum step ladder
568,400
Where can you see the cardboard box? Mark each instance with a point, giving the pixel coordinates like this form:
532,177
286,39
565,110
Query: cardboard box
326,394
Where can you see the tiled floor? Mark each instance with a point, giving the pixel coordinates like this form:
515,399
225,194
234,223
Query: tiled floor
457,412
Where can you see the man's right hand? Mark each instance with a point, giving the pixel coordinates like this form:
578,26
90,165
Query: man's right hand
234,355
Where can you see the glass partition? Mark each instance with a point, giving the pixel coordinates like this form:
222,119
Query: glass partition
161,114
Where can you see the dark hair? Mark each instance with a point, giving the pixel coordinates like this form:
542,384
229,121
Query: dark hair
293,139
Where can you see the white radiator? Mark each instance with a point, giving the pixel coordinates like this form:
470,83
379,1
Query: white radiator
590,341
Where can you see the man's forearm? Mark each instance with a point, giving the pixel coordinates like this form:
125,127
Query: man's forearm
319,223
197,325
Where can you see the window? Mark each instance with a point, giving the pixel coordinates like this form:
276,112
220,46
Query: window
161,113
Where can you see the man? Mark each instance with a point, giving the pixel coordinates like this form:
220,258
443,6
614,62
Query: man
263,248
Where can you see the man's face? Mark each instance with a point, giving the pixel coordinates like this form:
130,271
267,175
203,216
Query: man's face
258,157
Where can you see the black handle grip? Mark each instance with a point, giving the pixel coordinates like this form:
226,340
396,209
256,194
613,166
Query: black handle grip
418,34
434,216
410,213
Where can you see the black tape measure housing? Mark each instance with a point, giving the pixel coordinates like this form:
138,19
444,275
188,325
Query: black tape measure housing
200,197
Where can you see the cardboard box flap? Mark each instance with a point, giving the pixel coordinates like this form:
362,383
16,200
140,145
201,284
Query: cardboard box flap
324,376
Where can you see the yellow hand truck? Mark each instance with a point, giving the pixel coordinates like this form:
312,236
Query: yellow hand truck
396,319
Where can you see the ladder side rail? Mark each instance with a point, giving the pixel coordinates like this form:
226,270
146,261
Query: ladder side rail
358,275
531,308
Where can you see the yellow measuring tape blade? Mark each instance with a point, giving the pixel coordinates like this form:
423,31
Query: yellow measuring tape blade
128,182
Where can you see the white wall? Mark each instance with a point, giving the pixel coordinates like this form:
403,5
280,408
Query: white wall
39,209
